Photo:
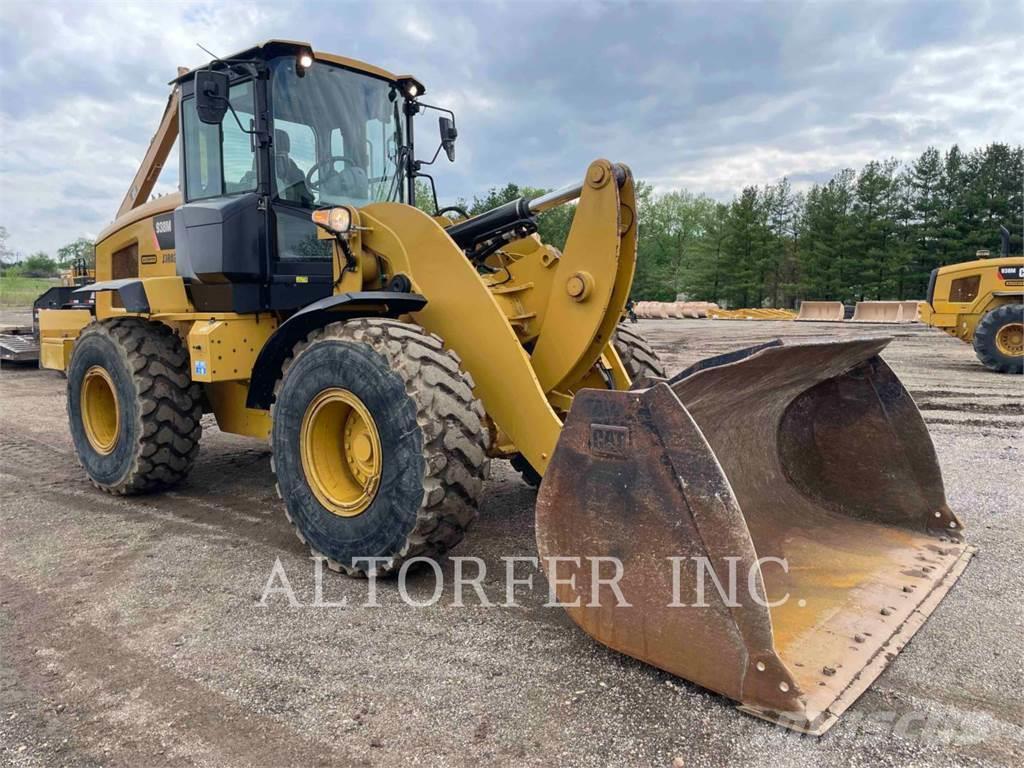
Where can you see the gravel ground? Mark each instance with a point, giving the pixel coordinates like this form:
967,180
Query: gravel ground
131,630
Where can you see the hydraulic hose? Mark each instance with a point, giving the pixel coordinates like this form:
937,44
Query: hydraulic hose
468,233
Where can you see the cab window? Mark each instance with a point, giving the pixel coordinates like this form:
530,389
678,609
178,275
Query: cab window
294,155
337,137
220,159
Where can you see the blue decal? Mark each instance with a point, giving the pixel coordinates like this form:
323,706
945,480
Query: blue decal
200,368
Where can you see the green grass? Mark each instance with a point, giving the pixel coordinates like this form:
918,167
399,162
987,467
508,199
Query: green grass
22,291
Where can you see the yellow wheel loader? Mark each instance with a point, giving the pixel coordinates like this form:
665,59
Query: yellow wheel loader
294,291
981,302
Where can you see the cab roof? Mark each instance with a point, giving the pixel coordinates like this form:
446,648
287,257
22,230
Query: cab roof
272,48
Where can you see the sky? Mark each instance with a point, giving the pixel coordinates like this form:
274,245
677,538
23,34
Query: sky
705,96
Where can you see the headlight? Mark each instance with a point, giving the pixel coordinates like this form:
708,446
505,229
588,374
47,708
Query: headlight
305,60
410,88
336,220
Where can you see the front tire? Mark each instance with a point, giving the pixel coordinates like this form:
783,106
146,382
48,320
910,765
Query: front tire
999,339
639,357
132,406
404,473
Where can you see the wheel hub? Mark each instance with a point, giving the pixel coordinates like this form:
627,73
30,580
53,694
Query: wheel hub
341,454
1010,339
101,415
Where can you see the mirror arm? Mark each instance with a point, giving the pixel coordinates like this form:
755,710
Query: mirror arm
433,189
415,165
240,127
438,109
247,131
441,145
431,161
252,67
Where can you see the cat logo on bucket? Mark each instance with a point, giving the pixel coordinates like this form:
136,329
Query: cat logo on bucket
606,440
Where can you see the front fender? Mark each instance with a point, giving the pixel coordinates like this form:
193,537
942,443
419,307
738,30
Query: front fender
342,306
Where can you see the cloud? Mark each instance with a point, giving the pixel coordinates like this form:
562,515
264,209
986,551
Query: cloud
710,96
417,29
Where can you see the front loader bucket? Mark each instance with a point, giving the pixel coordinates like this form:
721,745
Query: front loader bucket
813,455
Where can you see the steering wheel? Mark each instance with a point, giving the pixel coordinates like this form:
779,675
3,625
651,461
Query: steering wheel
326,162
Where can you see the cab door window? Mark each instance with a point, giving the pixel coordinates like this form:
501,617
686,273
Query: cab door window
220,159
294,155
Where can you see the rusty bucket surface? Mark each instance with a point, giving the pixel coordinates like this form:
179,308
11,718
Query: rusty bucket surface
812,455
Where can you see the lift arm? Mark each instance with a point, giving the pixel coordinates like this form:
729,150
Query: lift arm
512,384
159,147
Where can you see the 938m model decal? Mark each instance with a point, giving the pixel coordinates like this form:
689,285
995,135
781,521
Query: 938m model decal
163,228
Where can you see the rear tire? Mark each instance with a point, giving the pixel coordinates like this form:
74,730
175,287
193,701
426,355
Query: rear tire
420,493
640,359
530,475
998,339
132,406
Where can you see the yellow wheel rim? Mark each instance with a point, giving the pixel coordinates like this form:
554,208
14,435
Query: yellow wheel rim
341,453
101,415
1010,339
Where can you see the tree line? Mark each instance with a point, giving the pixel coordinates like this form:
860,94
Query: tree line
875,233
40,263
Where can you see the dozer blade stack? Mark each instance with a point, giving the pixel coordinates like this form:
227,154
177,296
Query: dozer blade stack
797,484
829,311
884,312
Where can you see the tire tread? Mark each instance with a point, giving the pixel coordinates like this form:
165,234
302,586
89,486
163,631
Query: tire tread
450,418
637,355
984,341
170,404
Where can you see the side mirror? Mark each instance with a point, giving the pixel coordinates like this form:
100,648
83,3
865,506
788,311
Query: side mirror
211,96
448,136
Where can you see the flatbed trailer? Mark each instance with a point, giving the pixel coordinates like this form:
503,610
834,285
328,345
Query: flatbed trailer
19,345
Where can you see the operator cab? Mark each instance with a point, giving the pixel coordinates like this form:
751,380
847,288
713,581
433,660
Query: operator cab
269,136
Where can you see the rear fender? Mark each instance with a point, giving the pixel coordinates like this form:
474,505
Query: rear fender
143,296
999,299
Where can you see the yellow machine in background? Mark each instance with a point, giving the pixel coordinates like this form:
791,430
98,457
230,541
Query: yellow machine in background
982,303
21,345
295,291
